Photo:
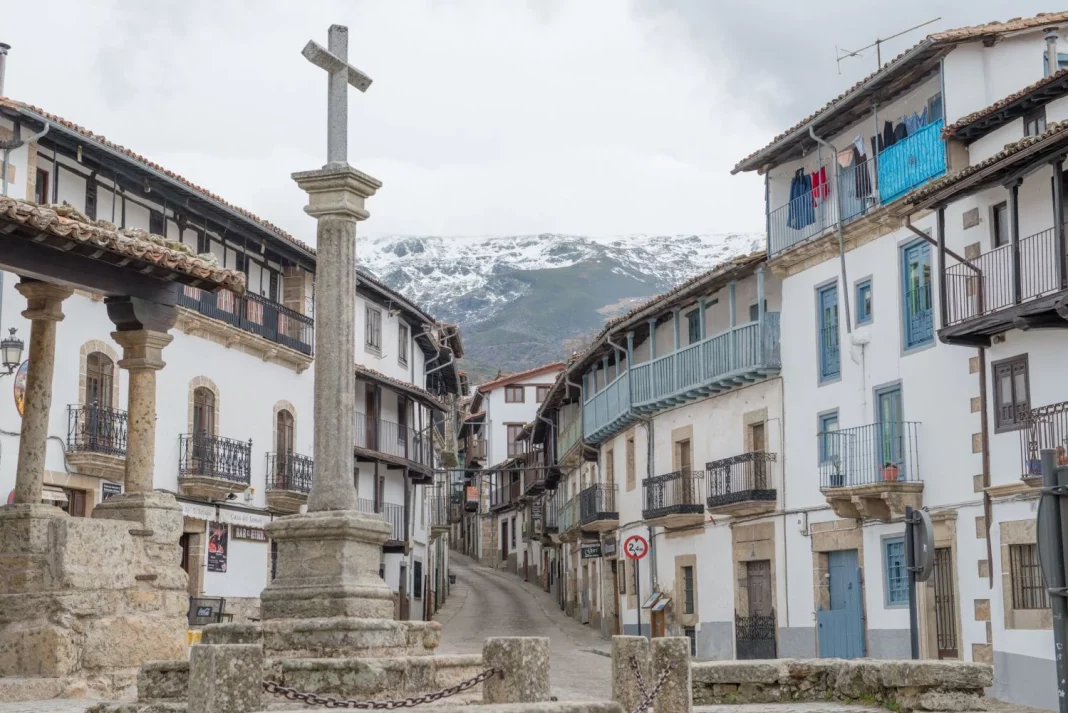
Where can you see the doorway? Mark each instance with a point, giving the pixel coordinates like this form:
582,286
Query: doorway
504,542
759,444
891,436
945,615
841,625
370,407
755,633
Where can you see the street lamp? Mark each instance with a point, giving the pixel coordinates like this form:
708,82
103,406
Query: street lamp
10,352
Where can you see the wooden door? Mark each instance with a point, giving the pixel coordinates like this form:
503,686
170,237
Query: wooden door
99,380
841,627
403,438
760,474
758,587
283,446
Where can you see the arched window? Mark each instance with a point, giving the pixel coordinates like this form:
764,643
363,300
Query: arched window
283,432
203,411
99,379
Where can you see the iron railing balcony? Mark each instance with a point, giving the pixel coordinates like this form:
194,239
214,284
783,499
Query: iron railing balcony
391,513
597,507
395,441
254,314
290,471
673,499
213,467
871,471
96,429
1045,427
742,484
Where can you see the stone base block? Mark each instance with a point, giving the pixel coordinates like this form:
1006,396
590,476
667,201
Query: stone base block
115,684
163,681
159,513
232,634
337,637
225,678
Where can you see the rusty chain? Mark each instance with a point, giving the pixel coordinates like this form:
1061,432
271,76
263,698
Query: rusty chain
647,696
312,699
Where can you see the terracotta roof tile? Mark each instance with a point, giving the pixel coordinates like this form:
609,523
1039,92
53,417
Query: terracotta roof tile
948,37
512,378
368,373
63,221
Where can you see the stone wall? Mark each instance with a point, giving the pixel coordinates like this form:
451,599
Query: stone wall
901,685
244,609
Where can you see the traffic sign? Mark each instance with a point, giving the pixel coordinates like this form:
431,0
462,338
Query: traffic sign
635,547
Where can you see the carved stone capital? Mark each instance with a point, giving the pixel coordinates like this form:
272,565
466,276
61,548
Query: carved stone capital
142,349
44,300
337,191
131,314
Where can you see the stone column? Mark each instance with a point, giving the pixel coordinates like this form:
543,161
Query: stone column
44,309
142,356
676,695
625,689
524,662
336,198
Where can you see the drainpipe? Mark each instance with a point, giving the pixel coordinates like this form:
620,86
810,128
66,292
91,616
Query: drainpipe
4,47
428,372
838,225
9,146
1052,62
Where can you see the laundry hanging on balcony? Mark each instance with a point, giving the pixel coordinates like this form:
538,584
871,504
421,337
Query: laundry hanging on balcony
802,210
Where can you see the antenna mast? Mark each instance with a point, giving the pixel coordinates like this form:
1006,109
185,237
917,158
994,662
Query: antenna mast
846,54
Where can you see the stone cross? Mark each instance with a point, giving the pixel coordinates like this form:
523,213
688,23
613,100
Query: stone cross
334,60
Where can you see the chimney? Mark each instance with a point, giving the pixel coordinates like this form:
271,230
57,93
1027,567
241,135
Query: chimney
1051,55
3,64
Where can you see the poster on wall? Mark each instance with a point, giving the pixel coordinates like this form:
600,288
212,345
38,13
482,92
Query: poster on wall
218,543
20,385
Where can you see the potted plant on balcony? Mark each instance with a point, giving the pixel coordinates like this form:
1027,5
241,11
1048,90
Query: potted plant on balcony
890,472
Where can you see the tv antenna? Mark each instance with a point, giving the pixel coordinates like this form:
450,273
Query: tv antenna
843,53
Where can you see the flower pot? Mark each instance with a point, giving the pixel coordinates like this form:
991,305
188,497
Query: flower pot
890,473
1034,466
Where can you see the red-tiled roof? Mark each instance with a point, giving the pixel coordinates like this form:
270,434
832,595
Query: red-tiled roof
363,372
512,378
953,128
66,222
948,37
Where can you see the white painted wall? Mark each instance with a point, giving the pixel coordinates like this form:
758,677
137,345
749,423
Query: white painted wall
499,413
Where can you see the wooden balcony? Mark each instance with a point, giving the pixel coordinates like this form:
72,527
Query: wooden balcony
506,495
568,437
289,480
742,484
213,467
872,472
673,500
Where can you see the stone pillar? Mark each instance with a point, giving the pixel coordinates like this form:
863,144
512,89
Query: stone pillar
142,356
336,198
225,678
44,309
676,695
625,690
525,663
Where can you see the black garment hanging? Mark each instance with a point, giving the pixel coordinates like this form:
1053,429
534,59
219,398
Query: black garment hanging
888,136
901,132
860,172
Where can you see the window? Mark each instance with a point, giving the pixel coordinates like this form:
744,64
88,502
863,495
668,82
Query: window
75,505
916,284
203,243
1034,122
90,199
373,330
632,475
99,379
864,302
402,344
40,187
513,394
830,364
542,394
203,411
623,579
515,447
754,311
1011,393
683,456
687,590
1028,589
1062,62
274,559
999,223
828,442
513,533
691,634
896,576
283,433
417,579
693,326
155,223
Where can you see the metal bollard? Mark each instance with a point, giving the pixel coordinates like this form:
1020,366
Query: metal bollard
525,663
225,678
625,651
676,693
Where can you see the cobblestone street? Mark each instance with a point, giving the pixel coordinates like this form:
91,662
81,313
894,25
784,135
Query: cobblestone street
485,603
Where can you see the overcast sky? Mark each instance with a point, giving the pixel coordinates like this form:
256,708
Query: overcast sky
595,117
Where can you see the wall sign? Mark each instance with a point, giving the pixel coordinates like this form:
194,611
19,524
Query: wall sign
242,517
240,532
610,547
108,489
218,544
20,386
591,550
197,511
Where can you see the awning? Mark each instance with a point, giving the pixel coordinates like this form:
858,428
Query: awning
54,495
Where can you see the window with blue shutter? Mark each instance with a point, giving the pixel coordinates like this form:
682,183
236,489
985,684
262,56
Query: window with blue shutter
828,442
918,310
864,302
897,578
693,326
830,361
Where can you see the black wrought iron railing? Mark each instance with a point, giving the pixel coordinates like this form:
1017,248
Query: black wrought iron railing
390,512
1045,427
290,471
597,502
96,429
740,478
202,454
879,452
673,494
254,314
394,439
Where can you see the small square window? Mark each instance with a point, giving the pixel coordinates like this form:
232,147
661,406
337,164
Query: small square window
40,186
691,634
754,311
687,590
999,223
402,344
1028,589
513,394
897,578
828,442
373,330
1035,122
1012,394
864,313
542,393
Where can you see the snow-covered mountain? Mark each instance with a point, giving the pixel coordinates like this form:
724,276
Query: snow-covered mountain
524,300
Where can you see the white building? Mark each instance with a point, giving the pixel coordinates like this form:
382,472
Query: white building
235,403
905,381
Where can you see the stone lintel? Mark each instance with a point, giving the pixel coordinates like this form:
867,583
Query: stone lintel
337,191
44,300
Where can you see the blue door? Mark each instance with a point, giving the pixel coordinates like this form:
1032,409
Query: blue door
830,366
916,283
841,627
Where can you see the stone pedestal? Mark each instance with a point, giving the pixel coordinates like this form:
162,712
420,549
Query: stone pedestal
625,689
524,663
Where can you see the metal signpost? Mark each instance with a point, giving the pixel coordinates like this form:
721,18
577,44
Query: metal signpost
919,562
1052,546
636,547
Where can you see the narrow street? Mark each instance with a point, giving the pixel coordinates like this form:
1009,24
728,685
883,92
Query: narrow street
485,603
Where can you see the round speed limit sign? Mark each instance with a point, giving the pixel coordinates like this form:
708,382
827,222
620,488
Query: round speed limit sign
635,547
